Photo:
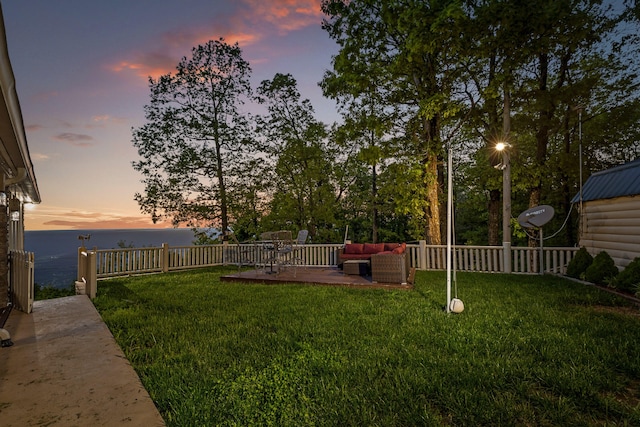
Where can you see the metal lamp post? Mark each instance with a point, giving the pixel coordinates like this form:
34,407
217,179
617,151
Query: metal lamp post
506,204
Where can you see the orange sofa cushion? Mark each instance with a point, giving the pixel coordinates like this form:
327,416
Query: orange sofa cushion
400,249
353,248
373,248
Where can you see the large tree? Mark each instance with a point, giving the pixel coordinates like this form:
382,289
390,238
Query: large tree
574,60
555,61
303,190
407,49
196,137
364,138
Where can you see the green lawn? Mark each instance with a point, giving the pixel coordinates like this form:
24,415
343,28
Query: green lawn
527,350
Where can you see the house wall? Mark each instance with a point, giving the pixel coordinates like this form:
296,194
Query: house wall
612,225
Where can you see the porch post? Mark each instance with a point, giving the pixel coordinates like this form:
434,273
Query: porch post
4,246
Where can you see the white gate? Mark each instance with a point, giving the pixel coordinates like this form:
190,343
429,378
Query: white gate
21,280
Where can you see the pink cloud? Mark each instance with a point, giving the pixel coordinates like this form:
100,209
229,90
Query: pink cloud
145,64
176,44
45,96
33,128
103,120
75,139
246,28
39,157
287,15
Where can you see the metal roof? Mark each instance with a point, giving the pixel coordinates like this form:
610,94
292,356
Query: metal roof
619,181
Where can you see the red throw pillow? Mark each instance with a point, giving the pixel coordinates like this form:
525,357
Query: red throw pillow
373,248
390,246
353,248
400,249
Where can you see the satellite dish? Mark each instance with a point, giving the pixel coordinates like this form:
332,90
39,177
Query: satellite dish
536,216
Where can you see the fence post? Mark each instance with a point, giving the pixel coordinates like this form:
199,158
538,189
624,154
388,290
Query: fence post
91,275
422,255
165,257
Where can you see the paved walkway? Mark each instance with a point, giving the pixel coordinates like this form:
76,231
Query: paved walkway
65,369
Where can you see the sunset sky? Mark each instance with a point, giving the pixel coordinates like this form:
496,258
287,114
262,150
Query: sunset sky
82,67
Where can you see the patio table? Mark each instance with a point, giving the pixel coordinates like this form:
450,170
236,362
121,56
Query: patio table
268,245
275,243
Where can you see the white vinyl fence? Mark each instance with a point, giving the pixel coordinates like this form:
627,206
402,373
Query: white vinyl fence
490,258
103,263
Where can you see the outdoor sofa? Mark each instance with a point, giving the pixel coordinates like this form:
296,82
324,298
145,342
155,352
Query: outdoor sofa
389,261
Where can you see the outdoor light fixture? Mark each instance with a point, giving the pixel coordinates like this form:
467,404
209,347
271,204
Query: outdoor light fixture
14,209
501,147
3,198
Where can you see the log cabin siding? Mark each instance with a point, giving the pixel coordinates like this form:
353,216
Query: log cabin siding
612,225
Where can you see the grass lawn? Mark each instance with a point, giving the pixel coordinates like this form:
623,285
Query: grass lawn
527,350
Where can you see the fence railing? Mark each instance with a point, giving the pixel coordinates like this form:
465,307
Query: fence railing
490,259
22,280
103,263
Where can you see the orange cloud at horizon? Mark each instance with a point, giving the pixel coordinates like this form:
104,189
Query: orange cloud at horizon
120,223
43,218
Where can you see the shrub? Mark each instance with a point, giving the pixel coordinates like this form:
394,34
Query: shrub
579,264
629,278
602,270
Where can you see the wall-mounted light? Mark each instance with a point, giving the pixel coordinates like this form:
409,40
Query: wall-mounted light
14,209
3,198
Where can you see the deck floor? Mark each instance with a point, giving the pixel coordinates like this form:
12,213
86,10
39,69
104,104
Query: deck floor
330,276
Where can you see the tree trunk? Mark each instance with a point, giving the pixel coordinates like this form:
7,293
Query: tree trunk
432,206
542,137
224,215
564,177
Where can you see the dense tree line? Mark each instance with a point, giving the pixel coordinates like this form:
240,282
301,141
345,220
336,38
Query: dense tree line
412,79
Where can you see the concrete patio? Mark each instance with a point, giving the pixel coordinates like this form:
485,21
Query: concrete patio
65,369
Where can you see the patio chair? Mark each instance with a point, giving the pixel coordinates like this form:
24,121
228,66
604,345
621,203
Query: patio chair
243,254
302,237
298,247
283,243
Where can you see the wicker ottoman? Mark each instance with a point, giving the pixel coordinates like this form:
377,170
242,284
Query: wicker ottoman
389,268
357,267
